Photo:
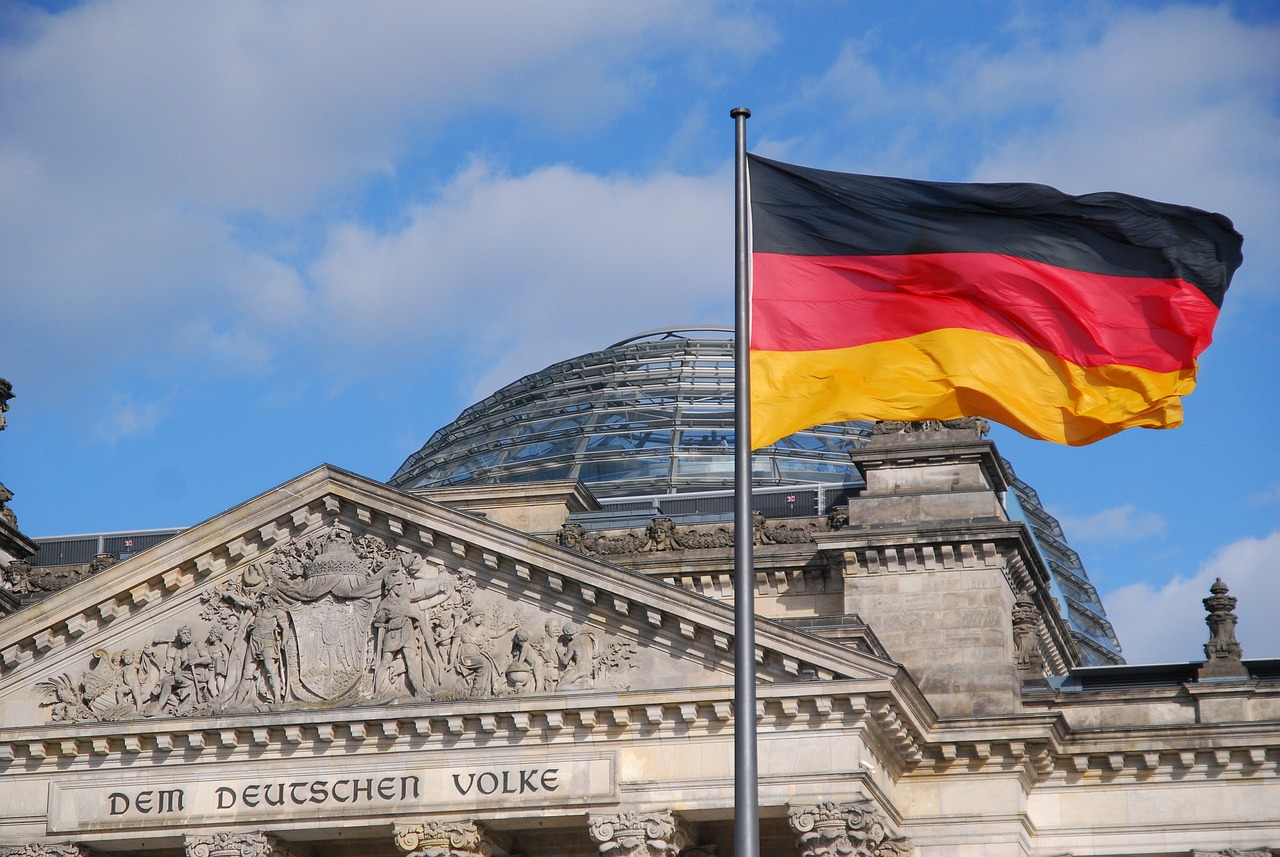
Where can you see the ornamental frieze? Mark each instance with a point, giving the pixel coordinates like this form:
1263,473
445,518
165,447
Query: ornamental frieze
338,619
662,534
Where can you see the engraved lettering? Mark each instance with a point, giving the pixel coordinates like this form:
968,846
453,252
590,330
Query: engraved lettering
119,802
368,789
506,784
293,793
319,791
493,783
387,788
549,777
226,797
457,783
171,800
339,798
404,787
142,803
526,780
266,795
250,795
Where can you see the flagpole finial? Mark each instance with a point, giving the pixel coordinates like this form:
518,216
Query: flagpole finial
744,112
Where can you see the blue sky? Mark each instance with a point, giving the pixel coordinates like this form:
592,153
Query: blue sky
241,239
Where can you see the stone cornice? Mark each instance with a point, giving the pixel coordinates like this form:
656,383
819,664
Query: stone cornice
1041,748
871,705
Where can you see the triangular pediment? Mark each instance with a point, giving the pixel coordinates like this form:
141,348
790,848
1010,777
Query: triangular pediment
335,591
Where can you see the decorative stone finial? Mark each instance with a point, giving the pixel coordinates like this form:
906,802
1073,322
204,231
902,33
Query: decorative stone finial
1223,650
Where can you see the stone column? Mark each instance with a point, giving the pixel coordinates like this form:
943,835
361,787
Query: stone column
230,844
855,828
640,834
433,838
66,849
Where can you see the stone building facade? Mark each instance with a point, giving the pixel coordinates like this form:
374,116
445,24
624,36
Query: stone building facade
338,667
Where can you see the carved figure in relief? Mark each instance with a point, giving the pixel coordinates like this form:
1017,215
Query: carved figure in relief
549,649
179,687
526,671
211,664
661,535
475,660
759,532
266,647
577,656
140,676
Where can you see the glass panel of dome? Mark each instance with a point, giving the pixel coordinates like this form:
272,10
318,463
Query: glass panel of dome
704,465
644,440
634,467
544,449
815,470
540,473
702,438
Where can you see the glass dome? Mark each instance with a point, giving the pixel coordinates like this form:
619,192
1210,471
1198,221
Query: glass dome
649,415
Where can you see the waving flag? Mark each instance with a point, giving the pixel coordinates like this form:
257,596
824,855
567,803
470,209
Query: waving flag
1067,318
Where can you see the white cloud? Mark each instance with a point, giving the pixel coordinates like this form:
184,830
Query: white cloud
533,268
1166,623
138,136
1120,523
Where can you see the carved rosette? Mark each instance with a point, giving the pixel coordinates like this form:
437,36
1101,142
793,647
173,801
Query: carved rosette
640,834
850,829
433,838
68,849
228,844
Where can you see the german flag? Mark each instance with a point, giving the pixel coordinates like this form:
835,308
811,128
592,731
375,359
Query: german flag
1067,318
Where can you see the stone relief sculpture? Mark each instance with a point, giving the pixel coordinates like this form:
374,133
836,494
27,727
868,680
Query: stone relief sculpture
978,424
856,829
662,534
336,619
1026,636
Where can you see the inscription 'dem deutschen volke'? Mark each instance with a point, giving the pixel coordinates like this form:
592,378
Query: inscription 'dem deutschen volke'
347,790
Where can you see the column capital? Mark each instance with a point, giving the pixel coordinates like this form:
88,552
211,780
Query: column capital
640,834
857,828
63,849
436,838
232,844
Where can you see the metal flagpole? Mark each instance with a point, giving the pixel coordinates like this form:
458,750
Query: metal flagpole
746,789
